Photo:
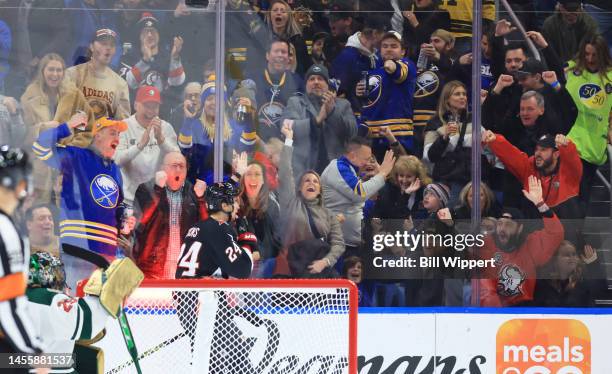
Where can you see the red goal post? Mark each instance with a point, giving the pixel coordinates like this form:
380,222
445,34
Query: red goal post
238,326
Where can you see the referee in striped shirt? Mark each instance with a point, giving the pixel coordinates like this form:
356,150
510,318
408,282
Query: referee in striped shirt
16,331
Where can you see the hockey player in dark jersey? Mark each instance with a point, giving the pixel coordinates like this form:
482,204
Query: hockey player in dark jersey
212,247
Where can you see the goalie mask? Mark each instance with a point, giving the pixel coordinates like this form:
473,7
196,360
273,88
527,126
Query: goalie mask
46,271
218,193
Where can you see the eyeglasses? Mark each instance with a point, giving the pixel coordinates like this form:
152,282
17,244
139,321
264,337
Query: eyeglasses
192,95
176,166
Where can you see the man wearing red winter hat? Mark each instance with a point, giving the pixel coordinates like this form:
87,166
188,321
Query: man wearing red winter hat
147,139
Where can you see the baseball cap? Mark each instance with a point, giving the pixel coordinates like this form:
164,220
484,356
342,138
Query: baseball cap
105,34
547,141
571,5
512,213
107,122
530,67
147,94
393,34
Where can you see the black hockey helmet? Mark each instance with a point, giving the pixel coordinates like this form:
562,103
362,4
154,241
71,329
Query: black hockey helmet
220,192
14,166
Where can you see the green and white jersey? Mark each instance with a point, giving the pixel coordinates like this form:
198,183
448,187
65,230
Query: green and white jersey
593,98
60,319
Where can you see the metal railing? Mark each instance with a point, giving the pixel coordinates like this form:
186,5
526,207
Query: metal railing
519,25
607,183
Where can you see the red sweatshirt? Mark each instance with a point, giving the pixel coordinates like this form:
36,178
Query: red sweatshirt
513,279
556,188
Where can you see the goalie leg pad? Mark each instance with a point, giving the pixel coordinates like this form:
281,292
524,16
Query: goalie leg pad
114,284
88,359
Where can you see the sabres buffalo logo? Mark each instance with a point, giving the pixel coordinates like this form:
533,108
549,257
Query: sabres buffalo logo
270,114
105,191
374,89
427,83
510,281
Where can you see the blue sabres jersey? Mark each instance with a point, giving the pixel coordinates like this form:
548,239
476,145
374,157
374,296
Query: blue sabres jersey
91,192
389,102
198,148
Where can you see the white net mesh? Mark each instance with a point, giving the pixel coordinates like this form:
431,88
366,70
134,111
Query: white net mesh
263,329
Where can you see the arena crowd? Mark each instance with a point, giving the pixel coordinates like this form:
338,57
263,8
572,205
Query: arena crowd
343,119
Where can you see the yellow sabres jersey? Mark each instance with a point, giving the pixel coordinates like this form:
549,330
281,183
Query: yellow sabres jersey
460,12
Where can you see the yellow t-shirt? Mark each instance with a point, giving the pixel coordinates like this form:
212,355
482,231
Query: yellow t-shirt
460,12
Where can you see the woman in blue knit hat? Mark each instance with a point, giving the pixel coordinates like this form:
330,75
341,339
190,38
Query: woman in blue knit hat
198,131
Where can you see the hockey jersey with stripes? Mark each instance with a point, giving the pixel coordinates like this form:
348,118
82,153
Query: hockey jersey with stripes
16,326
91,192
389,102
61,320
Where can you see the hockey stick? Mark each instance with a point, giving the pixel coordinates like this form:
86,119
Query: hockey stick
84,254
103,263
126,331
148,352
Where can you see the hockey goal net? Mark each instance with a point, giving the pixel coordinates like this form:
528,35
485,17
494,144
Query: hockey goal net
238,326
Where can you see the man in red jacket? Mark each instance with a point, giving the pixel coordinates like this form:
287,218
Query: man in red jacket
517,253
555,163
167,207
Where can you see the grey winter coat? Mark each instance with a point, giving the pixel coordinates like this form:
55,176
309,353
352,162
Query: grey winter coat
334,132
294,213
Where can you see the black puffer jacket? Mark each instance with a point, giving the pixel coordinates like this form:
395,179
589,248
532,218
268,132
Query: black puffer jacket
391,203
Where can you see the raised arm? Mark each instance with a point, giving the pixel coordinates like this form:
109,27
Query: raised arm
46,147
285,170
515,161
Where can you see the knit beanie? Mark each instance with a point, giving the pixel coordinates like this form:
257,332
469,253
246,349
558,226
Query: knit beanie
440,190
207,89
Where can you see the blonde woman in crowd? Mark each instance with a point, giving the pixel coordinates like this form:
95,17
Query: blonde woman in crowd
402,195
282,24
48,101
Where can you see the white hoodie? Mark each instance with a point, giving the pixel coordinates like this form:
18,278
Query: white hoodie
353,41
